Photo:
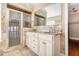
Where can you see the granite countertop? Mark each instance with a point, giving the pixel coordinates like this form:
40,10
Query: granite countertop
50,33
47,32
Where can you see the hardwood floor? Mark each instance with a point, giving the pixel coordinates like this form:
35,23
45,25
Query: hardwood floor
73,48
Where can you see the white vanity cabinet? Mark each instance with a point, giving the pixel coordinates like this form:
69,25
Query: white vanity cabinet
43,44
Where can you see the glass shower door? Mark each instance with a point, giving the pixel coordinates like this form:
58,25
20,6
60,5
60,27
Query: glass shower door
14,28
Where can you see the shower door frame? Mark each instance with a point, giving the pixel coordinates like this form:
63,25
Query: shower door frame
21,25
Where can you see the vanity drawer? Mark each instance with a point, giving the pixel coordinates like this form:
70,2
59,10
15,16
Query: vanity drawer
34,35
46,37
34,48
34,41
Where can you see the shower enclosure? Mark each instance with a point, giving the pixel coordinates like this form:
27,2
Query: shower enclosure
14,27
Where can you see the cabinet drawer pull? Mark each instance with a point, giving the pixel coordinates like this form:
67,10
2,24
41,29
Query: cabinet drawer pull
33,40
33,35
33,47
44,42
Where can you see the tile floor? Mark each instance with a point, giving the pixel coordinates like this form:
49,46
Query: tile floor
20,52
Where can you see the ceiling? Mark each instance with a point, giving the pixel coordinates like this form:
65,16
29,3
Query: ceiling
73,4
40,5
53,9
37,6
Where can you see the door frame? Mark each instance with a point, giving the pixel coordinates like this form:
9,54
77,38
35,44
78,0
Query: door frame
66,29
65,26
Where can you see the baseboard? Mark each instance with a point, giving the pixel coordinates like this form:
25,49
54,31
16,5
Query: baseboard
74,38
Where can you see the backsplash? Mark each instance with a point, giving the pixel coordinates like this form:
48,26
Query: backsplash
51,29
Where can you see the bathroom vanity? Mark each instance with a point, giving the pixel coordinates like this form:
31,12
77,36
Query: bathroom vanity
43,44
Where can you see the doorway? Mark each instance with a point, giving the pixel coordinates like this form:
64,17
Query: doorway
73,29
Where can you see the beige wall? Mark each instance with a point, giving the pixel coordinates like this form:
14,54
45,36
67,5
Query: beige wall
74,25
0,23
4,28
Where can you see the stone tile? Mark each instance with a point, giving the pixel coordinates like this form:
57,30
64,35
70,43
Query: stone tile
20,52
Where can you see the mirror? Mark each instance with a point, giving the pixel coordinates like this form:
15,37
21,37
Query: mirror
53,14
40,18
26,20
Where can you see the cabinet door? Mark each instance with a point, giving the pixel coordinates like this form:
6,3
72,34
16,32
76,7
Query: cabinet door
57,45
43,48
46,45
28,39
49,49
34,48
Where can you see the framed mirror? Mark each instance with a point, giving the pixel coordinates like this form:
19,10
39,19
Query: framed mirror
40,18
26,20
